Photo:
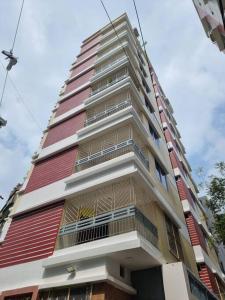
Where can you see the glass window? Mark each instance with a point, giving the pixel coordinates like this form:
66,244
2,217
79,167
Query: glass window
59,294
174,239
81,293
161,175
122,272
73,293
148,105
153,134
198,290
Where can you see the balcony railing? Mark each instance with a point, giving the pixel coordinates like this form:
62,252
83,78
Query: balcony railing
110,153
113,223
109,65
114,81
108,112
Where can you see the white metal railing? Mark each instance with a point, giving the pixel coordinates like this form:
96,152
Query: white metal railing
108,112
107,224
110,153
109,65
105,86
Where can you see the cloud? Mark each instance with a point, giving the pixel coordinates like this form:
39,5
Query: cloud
190,68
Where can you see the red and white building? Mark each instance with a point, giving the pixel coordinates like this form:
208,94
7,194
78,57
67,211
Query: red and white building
109,209
212,16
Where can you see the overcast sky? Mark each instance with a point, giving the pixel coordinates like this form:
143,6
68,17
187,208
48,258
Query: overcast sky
190,68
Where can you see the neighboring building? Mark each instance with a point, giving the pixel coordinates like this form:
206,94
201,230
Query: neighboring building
109,209
212,16
6,210
221,247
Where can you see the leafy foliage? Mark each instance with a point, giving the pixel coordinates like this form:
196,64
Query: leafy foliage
215,187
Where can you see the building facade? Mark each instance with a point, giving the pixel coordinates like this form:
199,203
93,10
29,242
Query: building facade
109,209
212,17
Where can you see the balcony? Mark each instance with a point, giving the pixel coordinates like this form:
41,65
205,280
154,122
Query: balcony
108,83
105,225
108,112
107,65
110,153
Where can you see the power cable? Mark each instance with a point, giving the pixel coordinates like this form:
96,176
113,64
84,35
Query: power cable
139,25
22,100
110,20
17,26
4,85
11,52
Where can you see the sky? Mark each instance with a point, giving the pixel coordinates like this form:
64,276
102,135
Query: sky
190,69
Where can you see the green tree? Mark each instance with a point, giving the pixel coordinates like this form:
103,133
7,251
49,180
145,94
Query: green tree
215,189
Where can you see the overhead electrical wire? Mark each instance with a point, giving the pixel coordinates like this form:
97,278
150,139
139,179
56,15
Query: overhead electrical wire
11,51
110,20
4,85
22,100
139,25
17,26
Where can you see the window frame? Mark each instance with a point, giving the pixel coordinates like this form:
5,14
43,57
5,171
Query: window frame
173,236
161,175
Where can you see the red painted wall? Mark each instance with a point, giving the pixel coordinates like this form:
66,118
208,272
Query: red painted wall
72,102
83,66
195,232
31,236
52,169
79,81
64,129
86,54
169,137
208,278
90,43
183,191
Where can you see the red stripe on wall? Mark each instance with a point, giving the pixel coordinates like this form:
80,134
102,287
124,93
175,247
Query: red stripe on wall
64,129
183,191
87,53
90,43
208,278
195,232
88,63
52,169
24,246
72,102
76,83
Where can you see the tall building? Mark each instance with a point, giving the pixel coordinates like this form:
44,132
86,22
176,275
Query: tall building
109,209
212,17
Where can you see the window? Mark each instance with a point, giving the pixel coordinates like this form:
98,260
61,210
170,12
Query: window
161,174
122,271
145,86
177,147
149,106
81,293
73,293
140,57
173,130
153,134
20,297
143,71
173,239
198,289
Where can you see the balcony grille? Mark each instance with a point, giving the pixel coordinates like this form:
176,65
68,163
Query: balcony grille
110,153
108,112
105,225
108,65
105,86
